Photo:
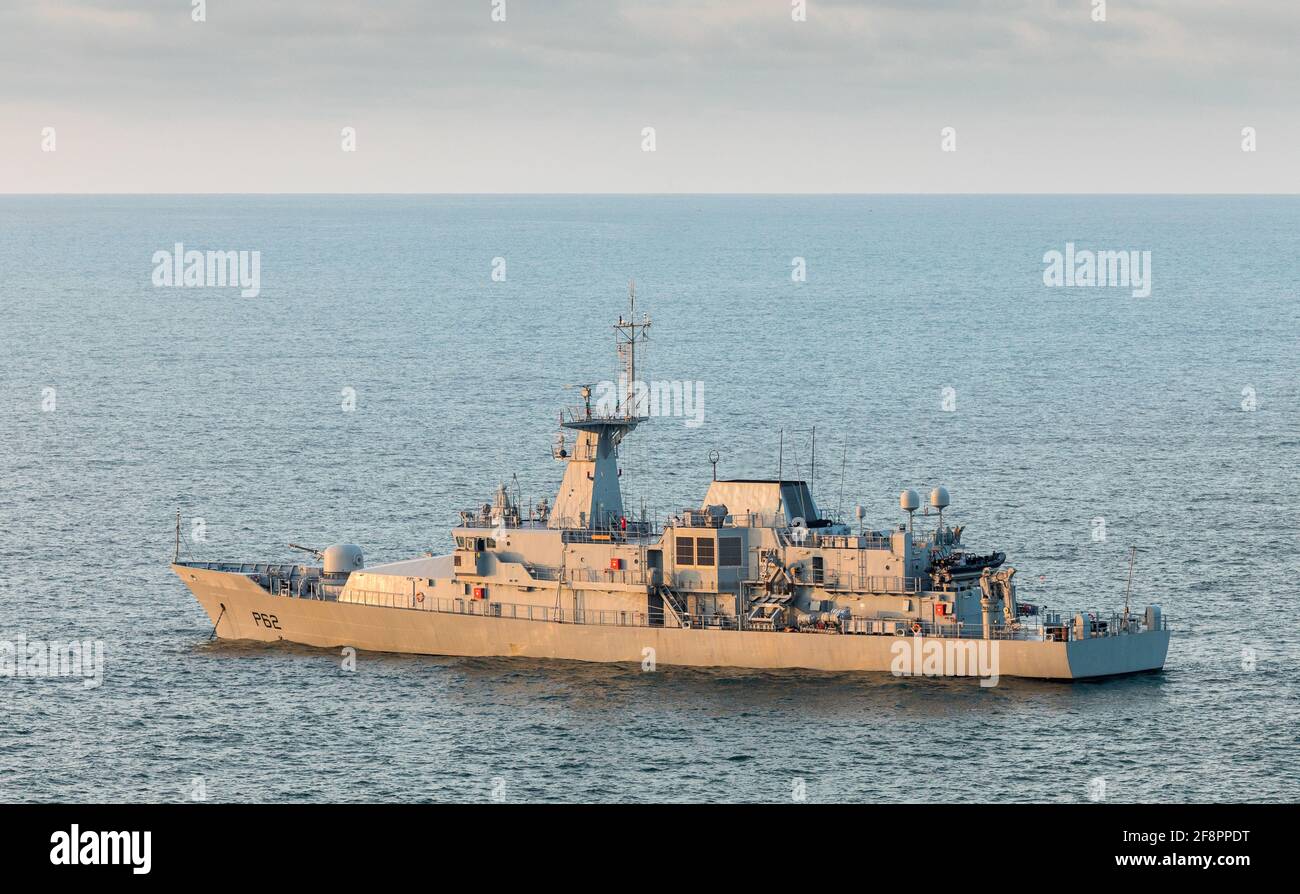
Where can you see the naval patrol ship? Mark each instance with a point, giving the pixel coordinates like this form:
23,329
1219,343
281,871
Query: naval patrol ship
756,576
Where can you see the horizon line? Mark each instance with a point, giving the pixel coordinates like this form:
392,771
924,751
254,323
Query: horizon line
659,194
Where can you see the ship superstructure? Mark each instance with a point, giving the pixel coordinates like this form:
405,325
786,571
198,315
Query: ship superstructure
754,576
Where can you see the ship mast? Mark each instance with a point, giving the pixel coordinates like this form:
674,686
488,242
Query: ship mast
627,334
590,495
1132,557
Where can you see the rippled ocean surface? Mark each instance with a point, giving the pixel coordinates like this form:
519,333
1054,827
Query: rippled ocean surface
1072,406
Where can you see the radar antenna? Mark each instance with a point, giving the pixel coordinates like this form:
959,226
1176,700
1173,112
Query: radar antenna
585,391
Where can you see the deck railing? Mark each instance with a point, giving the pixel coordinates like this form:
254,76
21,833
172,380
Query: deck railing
1032,628
464,605
1057,625
869,583
570,529
525,612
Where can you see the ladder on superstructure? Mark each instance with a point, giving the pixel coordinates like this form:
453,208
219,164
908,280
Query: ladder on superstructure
674,603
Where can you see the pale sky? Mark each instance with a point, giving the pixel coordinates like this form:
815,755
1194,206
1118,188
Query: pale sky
742,98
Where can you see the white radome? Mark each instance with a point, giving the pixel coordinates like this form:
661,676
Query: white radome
909,500
939,497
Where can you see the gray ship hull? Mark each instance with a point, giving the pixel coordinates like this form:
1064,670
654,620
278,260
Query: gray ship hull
242,610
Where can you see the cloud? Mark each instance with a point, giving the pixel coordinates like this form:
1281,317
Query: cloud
559,74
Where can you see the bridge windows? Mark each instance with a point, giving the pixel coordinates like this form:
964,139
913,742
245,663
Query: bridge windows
704,551
697,551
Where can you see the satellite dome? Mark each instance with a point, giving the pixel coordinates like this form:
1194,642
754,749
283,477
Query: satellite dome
909,500
342,558
939,497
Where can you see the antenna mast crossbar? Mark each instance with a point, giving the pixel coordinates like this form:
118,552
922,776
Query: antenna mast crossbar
628,334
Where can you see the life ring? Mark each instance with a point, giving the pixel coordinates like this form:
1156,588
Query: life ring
419,597
916,627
